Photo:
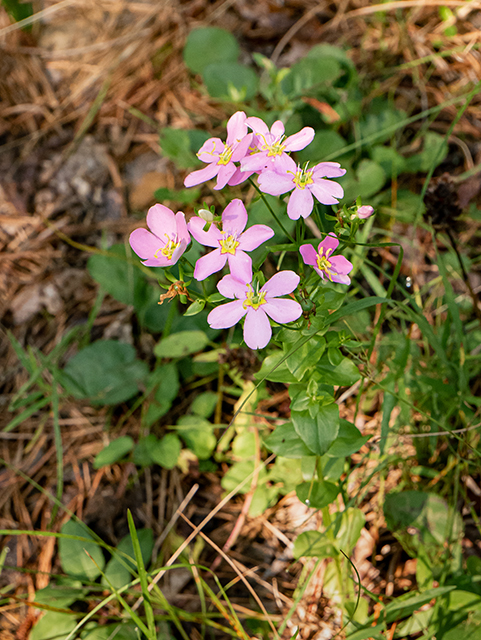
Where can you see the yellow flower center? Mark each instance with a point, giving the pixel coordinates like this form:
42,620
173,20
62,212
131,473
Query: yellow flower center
254,300
225,156
302,178
168,249
228,245
323,262
275,148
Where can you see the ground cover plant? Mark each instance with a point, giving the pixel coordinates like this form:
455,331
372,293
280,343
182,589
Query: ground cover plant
276,437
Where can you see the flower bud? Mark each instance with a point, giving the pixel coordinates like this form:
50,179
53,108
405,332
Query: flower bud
365,211
207,215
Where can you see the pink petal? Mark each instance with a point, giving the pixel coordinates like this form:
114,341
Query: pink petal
178,252
236,127
202,175
340,279
234,218
330,242
257,328
280,284
255,162
232,288
308,254
282,164
209,264
227,315
365,211
257,125
283,310
208,238
327,170
341,265
300,204
240,265
300,140
278,129
210,150
144,243
226,171
241,149
161,221
182,231
239,177
158,262
274,183
327,192
255,236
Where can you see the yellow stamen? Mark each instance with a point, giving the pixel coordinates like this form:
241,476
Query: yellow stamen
323,262
303,178
254,300
225,156
228,245
168,249
275,148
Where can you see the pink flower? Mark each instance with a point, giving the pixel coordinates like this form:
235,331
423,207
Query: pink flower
230,244
221,157
335,268
257,305
168,240
306,184
364,212
272,146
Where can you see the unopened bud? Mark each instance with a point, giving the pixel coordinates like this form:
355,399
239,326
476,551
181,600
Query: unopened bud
365,211
207,215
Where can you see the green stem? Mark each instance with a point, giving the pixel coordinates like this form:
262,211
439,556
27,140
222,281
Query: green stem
271,209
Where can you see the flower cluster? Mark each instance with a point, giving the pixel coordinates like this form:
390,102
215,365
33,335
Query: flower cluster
250,148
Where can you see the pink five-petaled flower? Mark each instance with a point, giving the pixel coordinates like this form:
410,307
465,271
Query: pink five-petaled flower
230,244
306,184
335,268
258,305
221,157
272,146
168,240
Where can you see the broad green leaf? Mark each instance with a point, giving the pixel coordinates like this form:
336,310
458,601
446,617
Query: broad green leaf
60,596
53,625
204,404
181,344
469,629
317,494
117,573
345,374
117,631
175,144
349,440
311,73
274,368
207,45
196,307
326,143
404,606
142,450
314,544
389,159
348,531
284,441
434,152
73,556
305,354
114,451
198,435
19,10
105,372
184,196
371,177
379,126
165,380
318,433
238,472
230,80
165,452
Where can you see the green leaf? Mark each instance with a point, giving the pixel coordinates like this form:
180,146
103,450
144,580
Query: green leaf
207,45
165,380
195,308
238,472
348,441
19,10
345,374
355,307
165,452
318,433
117,631
305,354
60,596
116,572
284,441
389,159
175,144
105,372
198,435
274,368
434,152
204,404
326,143
230,80
184,196
181,344
114,451
314,544
349,529
73,556
311,73
375,124
317,494
53,625
371,177
142,450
